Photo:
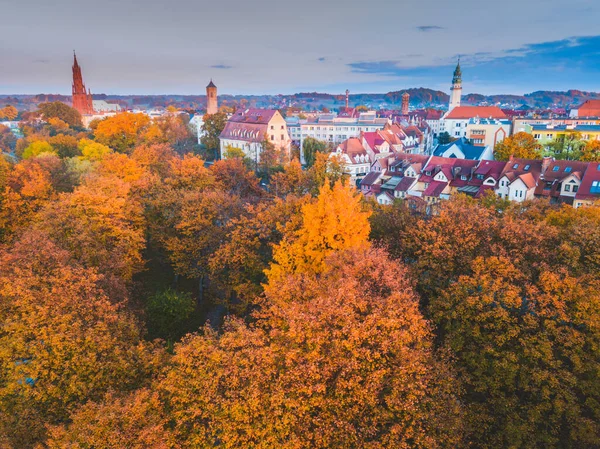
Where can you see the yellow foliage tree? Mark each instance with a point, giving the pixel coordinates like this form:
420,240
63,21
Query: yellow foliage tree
334,221
36,148
92,151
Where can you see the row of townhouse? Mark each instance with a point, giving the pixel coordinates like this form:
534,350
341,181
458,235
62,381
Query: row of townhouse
426,180
361,152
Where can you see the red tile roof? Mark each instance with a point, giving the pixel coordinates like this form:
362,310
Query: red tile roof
435,189
590,108
405,184
466,112
253,115
591,176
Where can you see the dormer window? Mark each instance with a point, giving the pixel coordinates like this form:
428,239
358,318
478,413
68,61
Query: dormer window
527,167
515,166
463,178
568,170
555,168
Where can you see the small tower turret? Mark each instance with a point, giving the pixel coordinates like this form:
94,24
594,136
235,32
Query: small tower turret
212,106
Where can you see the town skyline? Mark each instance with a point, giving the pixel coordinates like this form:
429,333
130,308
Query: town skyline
256,53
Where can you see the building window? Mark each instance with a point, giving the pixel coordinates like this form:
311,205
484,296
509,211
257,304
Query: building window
272,127
575,189
272,137
567,188
282,137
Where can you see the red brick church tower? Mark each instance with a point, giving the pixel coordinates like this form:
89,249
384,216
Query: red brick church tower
82,100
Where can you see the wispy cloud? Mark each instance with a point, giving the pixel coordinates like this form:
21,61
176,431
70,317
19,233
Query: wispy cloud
561,62
221,66
429,28
321,59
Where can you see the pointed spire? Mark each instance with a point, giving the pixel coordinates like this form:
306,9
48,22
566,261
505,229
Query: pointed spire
211,84
457,73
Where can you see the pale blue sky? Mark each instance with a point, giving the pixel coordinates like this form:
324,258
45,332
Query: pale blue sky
268,46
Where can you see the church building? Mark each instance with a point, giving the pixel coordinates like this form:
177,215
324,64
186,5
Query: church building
82,100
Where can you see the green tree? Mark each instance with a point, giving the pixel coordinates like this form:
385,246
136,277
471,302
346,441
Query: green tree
61,111
445,138
212,128
567,146
167,311
310,148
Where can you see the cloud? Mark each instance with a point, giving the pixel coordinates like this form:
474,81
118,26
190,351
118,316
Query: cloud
221,66
428,28
321,59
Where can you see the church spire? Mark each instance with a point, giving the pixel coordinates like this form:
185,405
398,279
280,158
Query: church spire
82,98
457,74
456,89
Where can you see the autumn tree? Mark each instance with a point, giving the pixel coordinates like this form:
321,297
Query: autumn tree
341,359
102,227
8,112
38,147
199,227
171,129
523,350
234,176
213,126
520,145
238,266
29,186
134,421
334,221
310,148
293,180
591,151
62,112
8,141
64,145
64,342
92,151
122,131
327,169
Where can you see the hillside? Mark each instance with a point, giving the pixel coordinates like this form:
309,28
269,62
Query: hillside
419,97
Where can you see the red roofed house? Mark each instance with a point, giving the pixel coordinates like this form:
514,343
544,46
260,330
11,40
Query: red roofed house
590,108
560,180
376,146
589,190
456,121
248,129
519,179
355,157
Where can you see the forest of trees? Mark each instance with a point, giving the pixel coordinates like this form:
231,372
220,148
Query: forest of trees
148,300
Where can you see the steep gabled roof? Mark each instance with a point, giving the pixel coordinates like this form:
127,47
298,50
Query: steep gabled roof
590,184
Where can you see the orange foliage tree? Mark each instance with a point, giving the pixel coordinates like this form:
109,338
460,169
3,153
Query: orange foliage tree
334,221
341,359
122,131
62,343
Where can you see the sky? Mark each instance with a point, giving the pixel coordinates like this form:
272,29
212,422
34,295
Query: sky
288,46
